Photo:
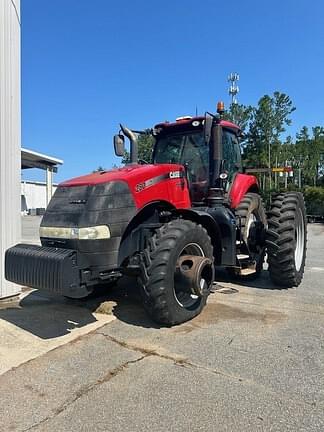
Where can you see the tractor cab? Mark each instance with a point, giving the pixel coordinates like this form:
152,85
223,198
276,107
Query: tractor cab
207,147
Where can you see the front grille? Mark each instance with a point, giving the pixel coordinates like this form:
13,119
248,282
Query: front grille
82,206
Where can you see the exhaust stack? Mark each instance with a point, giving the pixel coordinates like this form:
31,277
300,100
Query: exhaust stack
133,143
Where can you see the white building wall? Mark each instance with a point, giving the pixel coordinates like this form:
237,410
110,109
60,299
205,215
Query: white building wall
33,195
9,134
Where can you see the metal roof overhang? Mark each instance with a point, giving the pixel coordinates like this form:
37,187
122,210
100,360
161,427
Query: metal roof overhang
32,159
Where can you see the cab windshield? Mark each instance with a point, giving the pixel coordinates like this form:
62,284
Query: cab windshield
185,149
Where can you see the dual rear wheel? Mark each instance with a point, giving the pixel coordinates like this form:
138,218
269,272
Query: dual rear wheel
285,235
286,239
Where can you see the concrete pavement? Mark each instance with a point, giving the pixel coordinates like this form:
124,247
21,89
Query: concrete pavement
36,323
252,361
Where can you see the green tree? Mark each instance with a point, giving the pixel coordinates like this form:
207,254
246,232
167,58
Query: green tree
239,114
310,152
318,152
285,152
268,122
145,148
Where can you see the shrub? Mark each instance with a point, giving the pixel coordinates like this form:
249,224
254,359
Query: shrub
314,199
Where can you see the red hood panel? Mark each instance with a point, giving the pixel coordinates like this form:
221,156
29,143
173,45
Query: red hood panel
129,174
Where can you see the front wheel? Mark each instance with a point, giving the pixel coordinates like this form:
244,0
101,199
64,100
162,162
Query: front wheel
178,272
286,239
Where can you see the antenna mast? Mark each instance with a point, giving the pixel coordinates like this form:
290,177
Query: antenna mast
233,88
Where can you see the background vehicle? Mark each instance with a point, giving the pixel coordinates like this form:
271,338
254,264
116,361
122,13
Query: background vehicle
169,223
314,199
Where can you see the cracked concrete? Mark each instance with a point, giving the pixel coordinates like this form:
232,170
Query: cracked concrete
154,351
57,378
83,391
156,394
181,361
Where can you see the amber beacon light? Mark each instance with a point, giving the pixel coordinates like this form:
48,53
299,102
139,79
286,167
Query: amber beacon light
220,107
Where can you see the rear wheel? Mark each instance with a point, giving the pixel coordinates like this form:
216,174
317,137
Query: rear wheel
252,219
178,272
286,239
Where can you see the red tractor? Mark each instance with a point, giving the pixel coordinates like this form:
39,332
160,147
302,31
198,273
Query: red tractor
169,223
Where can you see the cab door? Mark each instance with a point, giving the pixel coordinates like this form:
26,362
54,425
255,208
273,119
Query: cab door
232,161
195,157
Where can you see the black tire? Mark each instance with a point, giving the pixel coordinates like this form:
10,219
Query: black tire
252,204
286,239
159,289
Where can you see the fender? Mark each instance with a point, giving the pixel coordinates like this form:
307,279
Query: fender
220,224
242,183
148,218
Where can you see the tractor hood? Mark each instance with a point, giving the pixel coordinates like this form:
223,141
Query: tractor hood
146,183
131,174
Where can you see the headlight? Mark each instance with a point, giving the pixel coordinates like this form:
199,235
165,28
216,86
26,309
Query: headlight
94,233
90,233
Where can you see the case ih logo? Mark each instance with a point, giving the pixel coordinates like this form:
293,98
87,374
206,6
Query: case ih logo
175,174
153,181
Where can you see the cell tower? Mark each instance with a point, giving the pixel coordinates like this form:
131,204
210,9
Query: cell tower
233,88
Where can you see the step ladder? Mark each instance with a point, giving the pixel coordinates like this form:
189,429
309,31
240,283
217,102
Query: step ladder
246,266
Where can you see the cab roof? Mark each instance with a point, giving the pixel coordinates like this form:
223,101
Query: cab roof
186,121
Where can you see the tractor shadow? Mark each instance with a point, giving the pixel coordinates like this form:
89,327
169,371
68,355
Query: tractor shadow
262,282
50,316
44,315
123,300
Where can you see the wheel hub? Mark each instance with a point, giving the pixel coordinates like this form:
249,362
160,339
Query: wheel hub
256,235
196,273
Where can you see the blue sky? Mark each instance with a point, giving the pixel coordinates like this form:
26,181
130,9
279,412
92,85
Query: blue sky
89,65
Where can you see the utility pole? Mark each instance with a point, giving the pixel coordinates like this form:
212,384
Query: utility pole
299,177
276,174
299,173
286,177
269,162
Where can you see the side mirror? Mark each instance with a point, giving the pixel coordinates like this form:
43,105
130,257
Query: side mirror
119,145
